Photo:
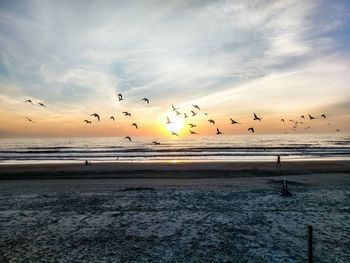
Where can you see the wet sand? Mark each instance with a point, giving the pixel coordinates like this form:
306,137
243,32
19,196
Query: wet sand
177,212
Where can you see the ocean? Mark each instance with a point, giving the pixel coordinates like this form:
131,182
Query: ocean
190,148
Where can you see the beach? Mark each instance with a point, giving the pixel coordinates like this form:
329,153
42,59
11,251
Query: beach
174,212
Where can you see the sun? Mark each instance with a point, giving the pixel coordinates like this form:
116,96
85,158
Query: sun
176,125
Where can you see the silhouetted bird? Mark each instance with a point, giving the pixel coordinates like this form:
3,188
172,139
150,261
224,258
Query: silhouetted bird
218,132
42,104
301,122
29,101
193,113
178,113
96,115
282,120
126,113
87,121
174,133
146,100
185,115
206,114
311,118
112,118
211,121
256,117
30,120
192,125
192,132
302,117
234,122
156,143
128,137
135,125
323,116
174,109
337,130
120,97
251,129
291,120
196,107
168,121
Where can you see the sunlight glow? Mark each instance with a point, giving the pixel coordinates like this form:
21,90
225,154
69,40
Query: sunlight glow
176,125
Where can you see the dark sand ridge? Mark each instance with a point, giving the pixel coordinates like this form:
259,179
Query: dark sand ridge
169,169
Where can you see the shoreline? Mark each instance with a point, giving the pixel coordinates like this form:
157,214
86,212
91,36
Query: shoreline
168,170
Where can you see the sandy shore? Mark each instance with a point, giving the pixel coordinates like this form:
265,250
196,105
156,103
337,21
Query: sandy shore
222,212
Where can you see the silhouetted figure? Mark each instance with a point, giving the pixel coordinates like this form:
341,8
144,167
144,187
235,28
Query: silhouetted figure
86,162
278,161
284,191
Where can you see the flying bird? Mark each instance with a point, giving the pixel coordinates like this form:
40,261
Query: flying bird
256,117
42,104
178,113
156,143
196,107
174,133
112,118
234,122
323,116
193,113
134,124
311,118
30,120
218,132
96,115
174,109
120,97
251,129
87,121
192,125
168,121
146,100
126,113
128,137
185,115
211,121
192,132
282,120
29,101
302,117
337,130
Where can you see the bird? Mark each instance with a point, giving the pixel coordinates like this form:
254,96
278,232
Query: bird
168,121
282,120
196,107
192,125
134,124
251,129
311,118
323,116
301,122
87,121
174,133
156,143
177,113
218,132
112,118
185,115
211,121
206,114
256,117
30,120
337,130
193,113
302,117
42,104
174,109
234,122
126,113
128,137
120,97
192,132
29,101
146,100
291,120
96,115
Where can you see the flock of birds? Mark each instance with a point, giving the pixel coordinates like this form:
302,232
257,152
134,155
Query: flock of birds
193,112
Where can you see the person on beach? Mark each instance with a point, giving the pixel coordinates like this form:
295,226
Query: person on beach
86,162
278,161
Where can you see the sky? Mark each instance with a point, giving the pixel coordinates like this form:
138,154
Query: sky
278,59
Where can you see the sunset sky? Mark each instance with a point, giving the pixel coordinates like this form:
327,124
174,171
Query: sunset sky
279,59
